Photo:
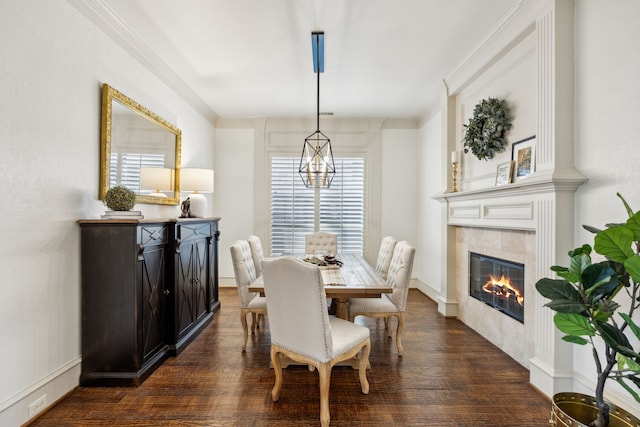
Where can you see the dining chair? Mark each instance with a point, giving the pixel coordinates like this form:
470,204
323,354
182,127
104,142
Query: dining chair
384,256
326,243
302,330
250,302
394,304
256,253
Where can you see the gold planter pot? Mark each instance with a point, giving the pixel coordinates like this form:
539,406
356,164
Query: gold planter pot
578,410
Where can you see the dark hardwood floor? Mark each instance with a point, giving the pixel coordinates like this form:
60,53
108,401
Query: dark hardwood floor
449,376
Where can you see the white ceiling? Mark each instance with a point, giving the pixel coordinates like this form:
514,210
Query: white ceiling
252,58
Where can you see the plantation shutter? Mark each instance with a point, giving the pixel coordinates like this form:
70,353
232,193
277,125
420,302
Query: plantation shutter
295,209
125,168
342,205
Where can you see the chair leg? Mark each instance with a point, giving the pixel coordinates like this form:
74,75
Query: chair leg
399,334
254,321
364,362
324,371
277,370
386,326
245,329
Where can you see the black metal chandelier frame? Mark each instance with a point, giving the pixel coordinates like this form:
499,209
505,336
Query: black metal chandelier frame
317,168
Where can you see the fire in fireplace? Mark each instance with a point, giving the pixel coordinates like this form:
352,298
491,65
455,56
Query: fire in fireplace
498,283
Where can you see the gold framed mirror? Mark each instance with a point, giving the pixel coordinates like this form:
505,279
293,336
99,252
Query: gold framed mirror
138,149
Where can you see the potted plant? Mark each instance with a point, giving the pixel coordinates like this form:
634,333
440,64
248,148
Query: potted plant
120,198
583,300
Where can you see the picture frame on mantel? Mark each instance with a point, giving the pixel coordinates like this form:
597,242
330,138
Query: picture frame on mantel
523,155
504,173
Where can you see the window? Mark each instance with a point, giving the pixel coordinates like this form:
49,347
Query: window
297,210
125,168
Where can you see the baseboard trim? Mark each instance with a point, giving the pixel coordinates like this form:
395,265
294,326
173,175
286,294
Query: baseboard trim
15,410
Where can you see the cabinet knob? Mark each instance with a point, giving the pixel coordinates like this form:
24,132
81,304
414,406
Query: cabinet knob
166,292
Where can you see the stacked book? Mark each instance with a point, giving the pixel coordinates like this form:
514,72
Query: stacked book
122,215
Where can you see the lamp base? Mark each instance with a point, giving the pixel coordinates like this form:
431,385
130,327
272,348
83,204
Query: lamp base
198,205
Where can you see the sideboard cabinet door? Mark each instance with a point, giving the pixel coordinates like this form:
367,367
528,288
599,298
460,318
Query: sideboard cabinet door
124,301
193,280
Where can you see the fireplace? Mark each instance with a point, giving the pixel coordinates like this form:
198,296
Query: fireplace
498,283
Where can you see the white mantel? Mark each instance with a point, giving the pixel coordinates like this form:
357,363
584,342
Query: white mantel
513,206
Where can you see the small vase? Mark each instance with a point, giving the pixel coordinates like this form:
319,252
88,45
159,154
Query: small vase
578,410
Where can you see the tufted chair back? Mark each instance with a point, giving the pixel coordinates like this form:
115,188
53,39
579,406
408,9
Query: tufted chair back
297,306
326,243
257,253
399,275
244,269
384,256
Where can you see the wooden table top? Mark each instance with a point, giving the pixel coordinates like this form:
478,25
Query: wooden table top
355,279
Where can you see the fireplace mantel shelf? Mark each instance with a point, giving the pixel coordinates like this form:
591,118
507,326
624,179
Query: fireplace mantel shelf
511,206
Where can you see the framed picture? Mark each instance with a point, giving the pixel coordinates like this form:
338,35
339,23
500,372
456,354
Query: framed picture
503,175
523,155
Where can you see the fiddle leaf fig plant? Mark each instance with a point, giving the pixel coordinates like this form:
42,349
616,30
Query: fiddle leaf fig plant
583,300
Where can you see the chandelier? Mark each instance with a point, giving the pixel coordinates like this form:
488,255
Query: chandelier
317,168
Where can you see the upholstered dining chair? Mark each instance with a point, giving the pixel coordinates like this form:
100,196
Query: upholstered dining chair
250,302
302,330
390,305
384,256
256,253
326,243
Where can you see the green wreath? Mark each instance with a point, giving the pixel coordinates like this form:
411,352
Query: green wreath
485,134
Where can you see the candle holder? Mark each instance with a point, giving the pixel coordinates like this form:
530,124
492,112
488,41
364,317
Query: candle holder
454,175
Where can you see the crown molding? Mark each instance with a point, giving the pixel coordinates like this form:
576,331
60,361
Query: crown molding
519,22
103,17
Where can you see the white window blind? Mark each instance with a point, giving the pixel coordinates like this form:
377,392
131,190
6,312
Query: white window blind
125,168
295,209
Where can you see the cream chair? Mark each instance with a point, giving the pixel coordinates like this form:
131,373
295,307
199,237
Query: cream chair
384,256
390,305
250,302
257,253
325,243
302,330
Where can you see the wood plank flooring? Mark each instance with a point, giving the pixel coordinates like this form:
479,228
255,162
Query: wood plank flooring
449,376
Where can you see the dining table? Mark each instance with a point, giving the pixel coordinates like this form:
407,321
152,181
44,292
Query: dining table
344,277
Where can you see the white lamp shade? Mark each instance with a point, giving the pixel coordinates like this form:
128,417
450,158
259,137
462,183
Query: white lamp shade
197,180
157,179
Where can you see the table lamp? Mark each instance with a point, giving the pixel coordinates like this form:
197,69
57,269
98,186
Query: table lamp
156,179
198,181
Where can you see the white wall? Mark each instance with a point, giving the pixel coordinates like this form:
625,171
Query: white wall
607,128
234,193
53,65
399,178
432,160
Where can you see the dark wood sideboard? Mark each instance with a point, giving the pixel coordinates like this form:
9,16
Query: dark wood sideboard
148,288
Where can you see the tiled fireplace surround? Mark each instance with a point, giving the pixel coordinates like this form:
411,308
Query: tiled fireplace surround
513,337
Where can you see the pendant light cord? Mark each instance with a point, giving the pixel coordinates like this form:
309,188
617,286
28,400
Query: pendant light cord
318,91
